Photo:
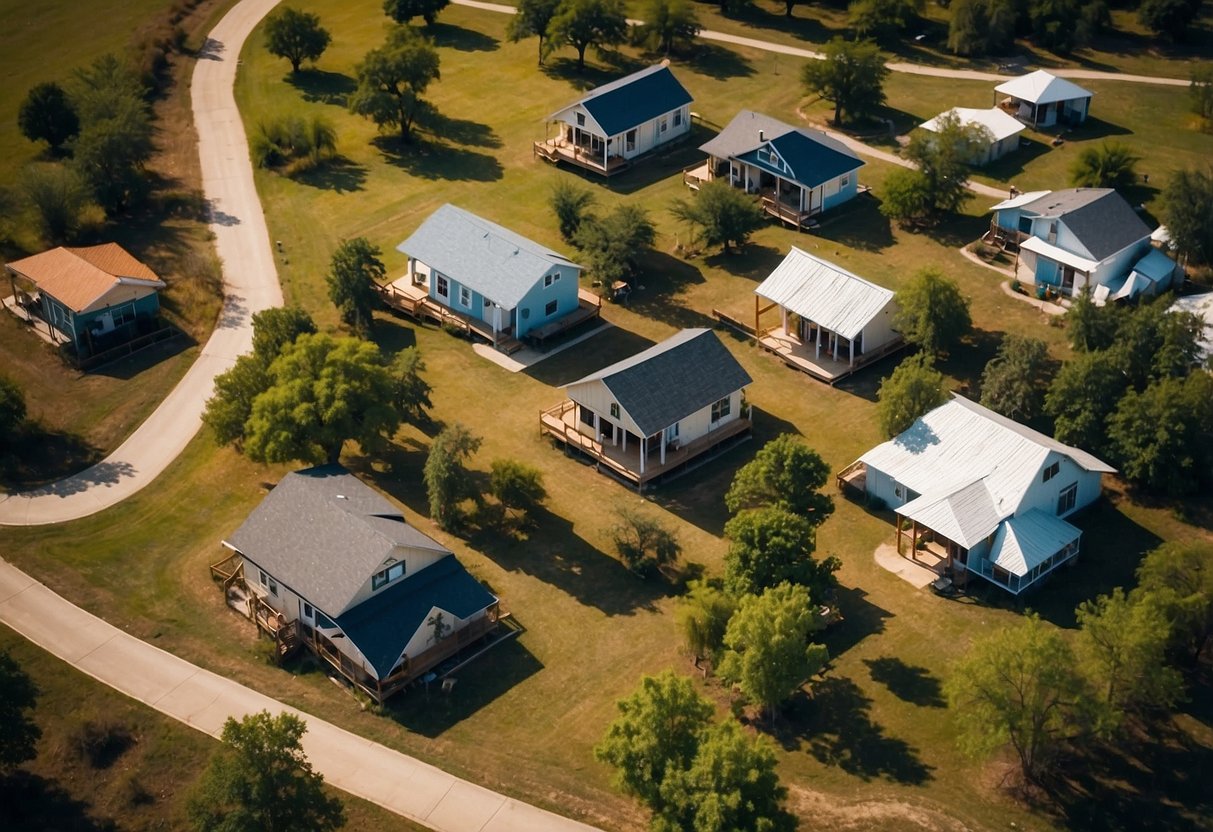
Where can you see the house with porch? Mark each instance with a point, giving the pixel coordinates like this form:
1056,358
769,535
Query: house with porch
999,131
796,172
831,322
94,297
981,494
1041,99
327,563
503,286
613,125
1081,239
656,413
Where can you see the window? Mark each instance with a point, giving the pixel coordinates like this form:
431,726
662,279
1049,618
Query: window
551,308
671,433
1051,472
581,119
465,297
678,118
325,622
663,124
721,409
586,415
309,611
263,578
273,587
549,279
899,491
774,158
385,576
442,287
1067,499
845,180
629,141
614,410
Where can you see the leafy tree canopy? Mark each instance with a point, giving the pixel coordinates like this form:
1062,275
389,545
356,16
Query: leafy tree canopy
721,214
614,245
914,389
932,313
943,157
296,36
786,473
882,19
412,391
47,114
982,27
643,541
1188,214
402,11
667,24
1082,398
354,272
447,481
1013,382
585,23
275,328
850,76
703,616
532,19
571,204
1172,18
1179,576
1108,165
392,78
1162,437
18,732
60,198
517,486
770,546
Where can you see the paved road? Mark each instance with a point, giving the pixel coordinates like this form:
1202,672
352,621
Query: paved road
204,700
250,285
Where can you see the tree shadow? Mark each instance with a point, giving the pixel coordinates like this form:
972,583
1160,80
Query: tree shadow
318,86
1015,163
432,160
837,726
718,62
909,683
968,360
809,27
858,224
464,40
663,278
754,261
956,230
669,160
146,358
393,335
580,79
1093,128
37,457
458,130
861,618
601,350
340,174
865,383
35,804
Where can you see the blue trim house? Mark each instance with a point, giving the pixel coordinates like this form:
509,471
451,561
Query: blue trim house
797,172
93,297
491,275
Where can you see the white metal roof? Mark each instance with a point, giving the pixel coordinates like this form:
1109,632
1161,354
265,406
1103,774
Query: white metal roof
1028,540
1039,246
1017,201
1041,87
1202,307
824,293
1000,124
965,516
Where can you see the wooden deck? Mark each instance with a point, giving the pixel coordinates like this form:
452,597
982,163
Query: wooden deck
589,306
800,220
559,150
824,367
413,300
559,423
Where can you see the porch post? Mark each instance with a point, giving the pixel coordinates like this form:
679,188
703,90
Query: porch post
817,343
783,318
496,324
663,447
625,441
852,352
757,315
897,528
606,142
644,442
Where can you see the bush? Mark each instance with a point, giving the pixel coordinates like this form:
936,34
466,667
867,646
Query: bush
644,543
100,744
517,486
291,140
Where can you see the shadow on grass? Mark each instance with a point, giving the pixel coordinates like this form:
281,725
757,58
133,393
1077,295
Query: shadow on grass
318,86
458,130
655,295
718,62
861,618
1091,129
591,355
956,230
1014,163
32,803
910,683
837,727
858,224
579,78
431,712
131,366
433,160
464,40
866,382
809,27
753,260
339,174
667,161
968,360
38,457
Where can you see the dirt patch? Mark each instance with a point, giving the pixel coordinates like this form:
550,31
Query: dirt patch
828,812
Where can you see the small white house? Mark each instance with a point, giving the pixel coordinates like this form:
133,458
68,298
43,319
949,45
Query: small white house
620,121
1040,99
999,130
990,493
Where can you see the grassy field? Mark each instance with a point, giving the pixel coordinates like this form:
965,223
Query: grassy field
873,748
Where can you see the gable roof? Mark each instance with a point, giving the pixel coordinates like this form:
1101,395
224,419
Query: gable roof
1028,540
822,292
1041,87
382,626
634,99
323,532
1100,218
671,380
812,156
998,122
1019,200
482,255
965,516
80,277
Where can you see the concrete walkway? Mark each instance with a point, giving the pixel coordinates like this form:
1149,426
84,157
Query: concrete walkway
250,285
204,700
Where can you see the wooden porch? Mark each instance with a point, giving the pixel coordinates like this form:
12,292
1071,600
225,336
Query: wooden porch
413,299
560,423
853,480
787,214
822,362
559,150
589,306
229,574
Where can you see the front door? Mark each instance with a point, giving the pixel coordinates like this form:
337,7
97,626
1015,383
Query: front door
606,431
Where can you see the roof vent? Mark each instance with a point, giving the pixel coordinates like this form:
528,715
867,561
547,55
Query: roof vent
342,497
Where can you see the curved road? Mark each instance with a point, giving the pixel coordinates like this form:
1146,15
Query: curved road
250,285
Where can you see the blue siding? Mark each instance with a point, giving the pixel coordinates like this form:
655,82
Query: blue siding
531,311
845,193
129,313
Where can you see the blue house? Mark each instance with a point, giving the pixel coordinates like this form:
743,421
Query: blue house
797,172
93,297
503,284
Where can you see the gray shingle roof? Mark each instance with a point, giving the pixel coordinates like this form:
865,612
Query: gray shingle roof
671,380
1099,217
635,99
482,255
323,532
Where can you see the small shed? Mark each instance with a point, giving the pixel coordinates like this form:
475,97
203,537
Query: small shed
1041,99
1001,130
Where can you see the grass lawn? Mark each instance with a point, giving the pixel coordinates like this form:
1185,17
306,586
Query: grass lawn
873,748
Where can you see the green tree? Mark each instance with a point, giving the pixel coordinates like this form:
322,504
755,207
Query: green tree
231,404
882,19
1121,648
1188,213
730,785
111,154
642,541
59,197
703,617
766,645
448,483
274,328
1200,91
532,19
656,733
402,11
981,27
12,410
614,245
1172,18
721,214
907,197
517,486
786,473
1081,399
1162,438
1178,576
1110,165
354,272
47,114
260,780
770,546
412,397
914,389
571,206
585,23
323,391
850,76
1061,26
392,78
943,157
932,313
296,36
1091,327
106,89
1013,382
1020,686
668,23
18,732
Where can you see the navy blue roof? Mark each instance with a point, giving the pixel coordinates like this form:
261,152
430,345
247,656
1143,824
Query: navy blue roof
635,99
810,161
382,626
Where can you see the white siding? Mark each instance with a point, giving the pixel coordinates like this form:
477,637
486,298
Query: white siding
423,639
1044,495
414,561
879,330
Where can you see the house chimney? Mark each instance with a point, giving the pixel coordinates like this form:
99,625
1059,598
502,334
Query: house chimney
762,135
1014,192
